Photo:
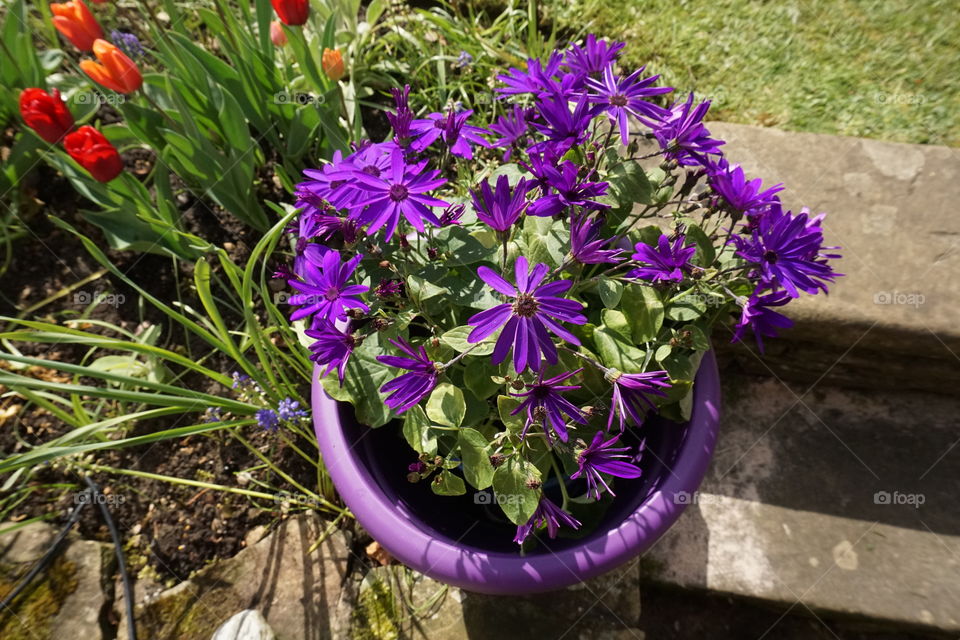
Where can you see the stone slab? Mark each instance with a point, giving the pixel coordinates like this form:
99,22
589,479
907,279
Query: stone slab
68,599
297,593
837,500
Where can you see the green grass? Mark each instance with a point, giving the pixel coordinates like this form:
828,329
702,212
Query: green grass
873,68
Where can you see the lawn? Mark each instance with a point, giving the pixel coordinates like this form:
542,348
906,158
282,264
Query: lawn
877,69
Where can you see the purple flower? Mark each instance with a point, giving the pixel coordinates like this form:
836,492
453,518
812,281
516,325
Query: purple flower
451,215
666,262
630,392
463,60
761,319
525,322
289,410
410,388
331,347
593,57
511,127
562,188
586,245
549,515
128,43
454,130
401,120
786,250
602,457
622,97
545,404
537,79
336,227
498,207
324,289
267,419
388,288
682,135
401,190
739,194
562,127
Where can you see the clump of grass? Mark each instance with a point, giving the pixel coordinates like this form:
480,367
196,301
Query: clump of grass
862,68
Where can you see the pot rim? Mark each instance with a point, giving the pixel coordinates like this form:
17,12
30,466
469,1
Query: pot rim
475,569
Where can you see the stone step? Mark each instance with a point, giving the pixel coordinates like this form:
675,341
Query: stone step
890,207
835,502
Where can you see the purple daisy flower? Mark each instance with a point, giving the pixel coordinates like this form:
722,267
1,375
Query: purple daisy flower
739,194
452,128
401,190
562,187
331,347
563,128
451,215
537,79
410,388
786,250
499,208
536,309
324,289
758,316
586,245
549,515
682,135
401,120
545,404
602,457
512,128
593,57
666,262
630,392
623,97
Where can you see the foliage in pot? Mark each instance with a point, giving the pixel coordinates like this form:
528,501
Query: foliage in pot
518,299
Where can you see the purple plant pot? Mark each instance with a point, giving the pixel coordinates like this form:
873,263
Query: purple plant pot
452,540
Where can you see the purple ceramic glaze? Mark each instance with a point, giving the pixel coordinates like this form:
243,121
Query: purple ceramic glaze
444,539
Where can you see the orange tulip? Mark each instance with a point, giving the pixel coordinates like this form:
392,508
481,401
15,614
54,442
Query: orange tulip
117,71
75,22
333,64
277,36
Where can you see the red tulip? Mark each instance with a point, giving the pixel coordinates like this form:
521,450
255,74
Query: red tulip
291,12
118,72
277,36
75,22
93,152
46,114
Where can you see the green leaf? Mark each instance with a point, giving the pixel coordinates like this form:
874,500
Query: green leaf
448,484
663,352
421,289
463,247
361,387
706,253
475,453
687,309
456,338
617,352
610,291
478,378
506,404
644,311
515,497
416,429
446,405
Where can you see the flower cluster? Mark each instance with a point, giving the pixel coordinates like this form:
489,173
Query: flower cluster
524,289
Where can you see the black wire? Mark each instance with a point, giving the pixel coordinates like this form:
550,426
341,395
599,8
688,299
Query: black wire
47,557
121,563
